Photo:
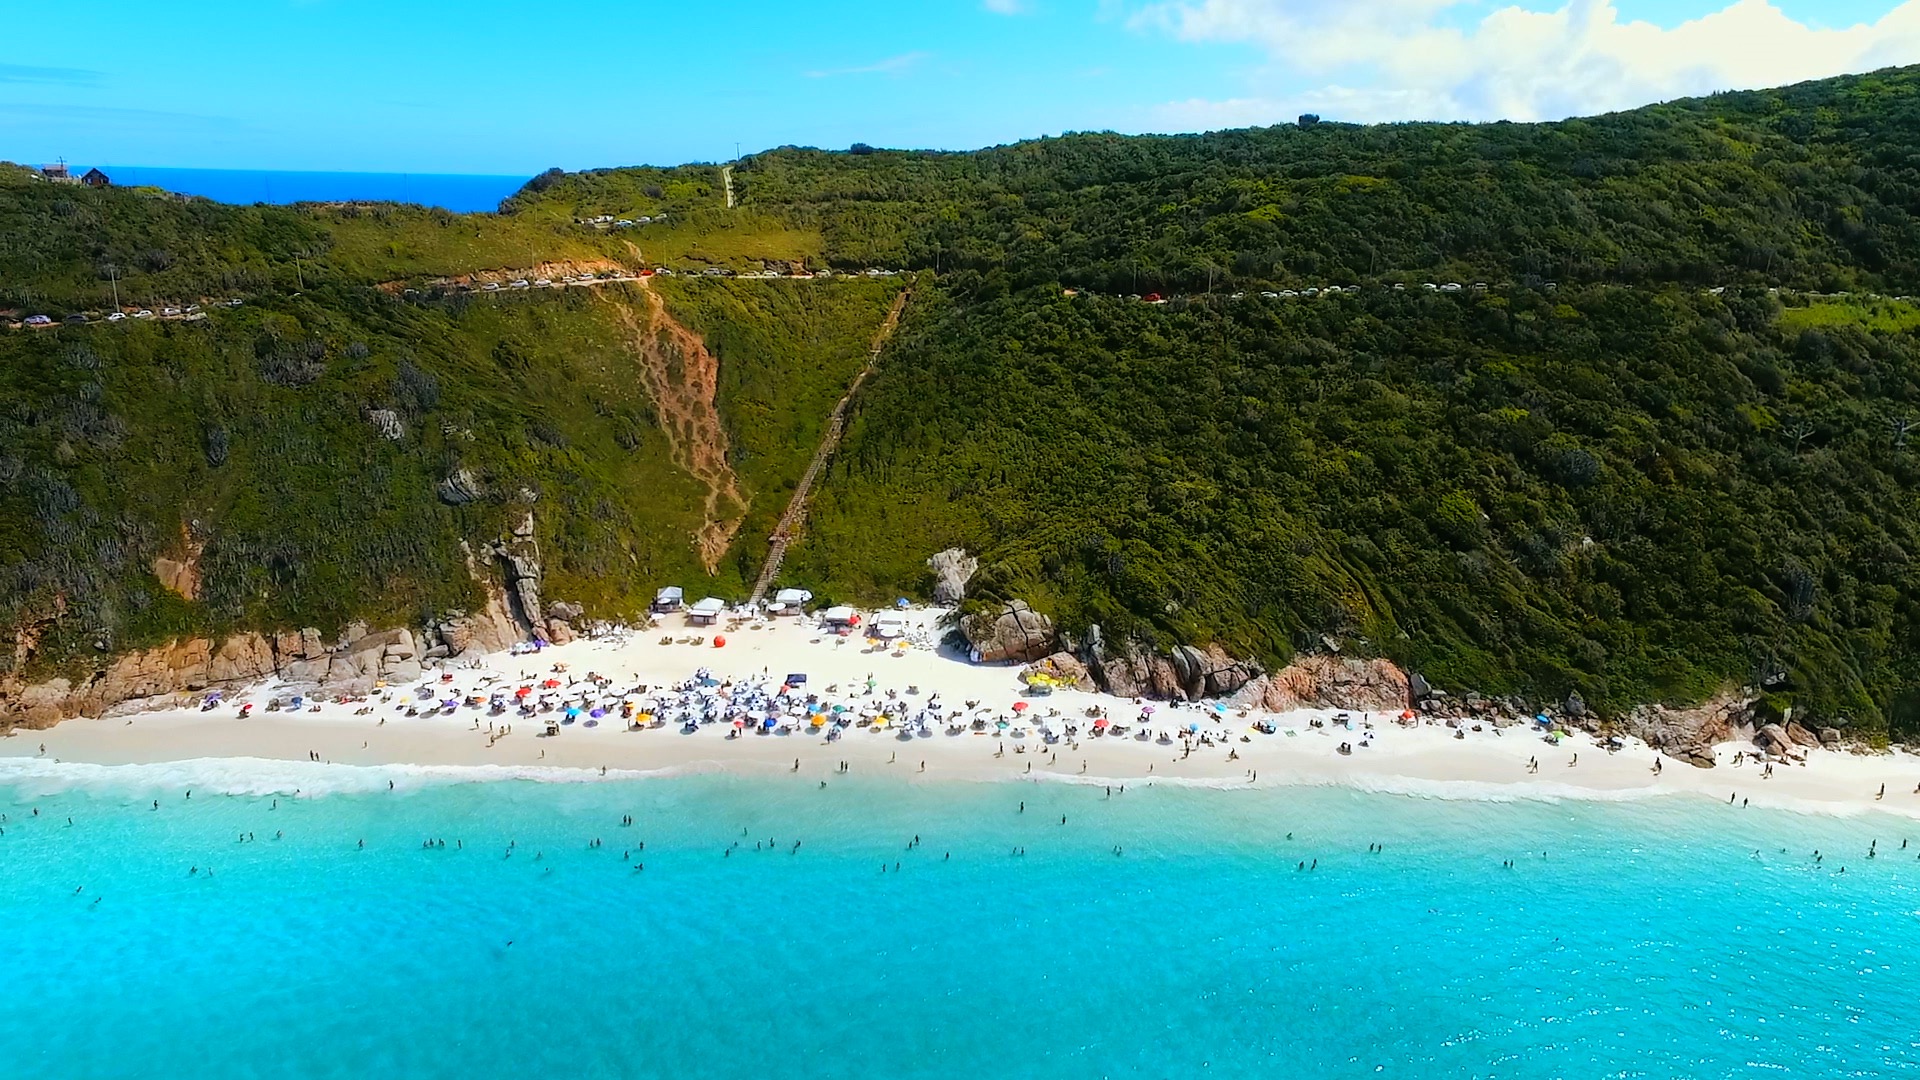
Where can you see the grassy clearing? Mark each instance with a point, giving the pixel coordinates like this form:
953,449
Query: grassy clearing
1886,316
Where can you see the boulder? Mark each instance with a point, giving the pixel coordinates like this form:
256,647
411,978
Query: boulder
1800,735
952,569
1576,705
1329,682
559,632
455,632
1140,675
565,611
1773,739
401,671
1830,737
1061,670
1688,734
1417,686
1209,672
1012,632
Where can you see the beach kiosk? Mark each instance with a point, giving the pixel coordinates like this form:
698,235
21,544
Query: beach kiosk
888,626
706,612
839,618
668,599
789,602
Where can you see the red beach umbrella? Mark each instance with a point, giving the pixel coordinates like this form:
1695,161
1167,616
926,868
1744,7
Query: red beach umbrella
1019,706
523,691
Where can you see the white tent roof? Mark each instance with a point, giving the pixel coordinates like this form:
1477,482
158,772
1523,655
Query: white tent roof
671,593
792,596
712,605
838,614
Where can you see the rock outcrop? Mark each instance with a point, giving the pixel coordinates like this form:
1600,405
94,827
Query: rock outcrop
1060,670
1688,734
1329,682
519,555
1011,632
387,423
460,487
149,678
952,569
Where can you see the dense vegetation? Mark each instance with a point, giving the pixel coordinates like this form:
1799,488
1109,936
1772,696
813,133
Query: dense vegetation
251,434
1639,495
1596,475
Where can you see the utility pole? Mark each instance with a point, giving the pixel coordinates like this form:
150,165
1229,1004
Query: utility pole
113,275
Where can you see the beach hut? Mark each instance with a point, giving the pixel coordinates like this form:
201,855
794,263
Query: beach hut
789,602
840,616
705,612
669,599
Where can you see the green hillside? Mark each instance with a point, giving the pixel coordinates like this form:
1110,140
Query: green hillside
1644,462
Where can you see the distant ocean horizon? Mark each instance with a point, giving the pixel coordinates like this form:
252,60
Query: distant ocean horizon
461,193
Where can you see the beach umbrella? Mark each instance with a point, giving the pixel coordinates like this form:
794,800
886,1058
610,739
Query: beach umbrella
719,642
1220,706
1146,710
1100,723
1406,714
1193,727
1019,706
523,691
551,684
1001,724
597,713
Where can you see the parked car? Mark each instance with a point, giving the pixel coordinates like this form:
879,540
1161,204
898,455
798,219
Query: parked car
39,320
491,286
143,313
172,312
520,284
235,302
75,320
116,316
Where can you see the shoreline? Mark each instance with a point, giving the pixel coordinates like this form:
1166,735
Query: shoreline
269,752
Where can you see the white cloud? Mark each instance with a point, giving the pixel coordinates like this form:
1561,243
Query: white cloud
1373,60
892,65
1005,7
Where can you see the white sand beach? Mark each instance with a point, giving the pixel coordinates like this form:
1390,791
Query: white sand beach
1194,744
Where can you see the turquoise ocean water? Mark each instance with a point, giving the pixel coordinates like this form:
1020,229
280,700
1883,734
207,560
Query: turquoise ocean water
1650,940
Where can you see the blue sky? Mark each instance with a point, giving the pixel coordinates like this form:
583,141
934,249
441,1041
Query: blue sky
497,87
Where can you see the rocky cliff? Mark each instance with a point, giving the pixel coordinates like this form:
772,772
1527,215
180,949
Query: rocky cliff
350,664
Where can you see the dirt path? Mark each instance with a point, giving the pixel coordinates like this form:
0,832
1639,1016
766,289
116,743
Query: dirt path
683,379
788,530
